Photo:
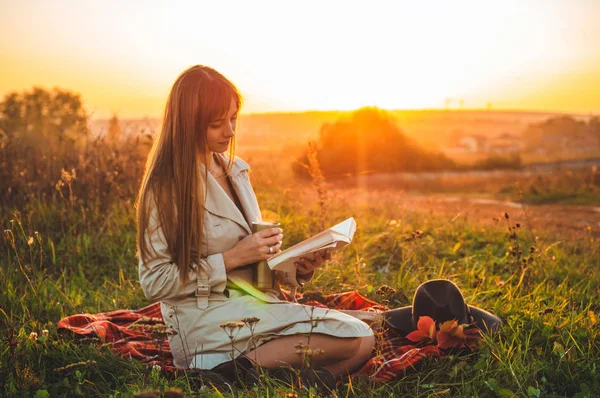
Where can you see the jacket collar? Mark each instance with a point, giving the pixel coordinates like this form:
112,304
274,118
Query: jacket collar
217,200
238,165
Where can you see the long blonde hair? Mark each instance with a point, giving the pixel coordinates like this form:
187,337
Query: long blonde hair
172,180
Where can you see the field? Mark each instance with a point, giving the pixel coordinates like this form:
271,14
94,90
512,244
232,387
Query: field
69,247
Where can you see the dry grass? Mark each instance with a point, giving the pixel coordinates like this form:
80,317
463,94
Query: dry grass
69,247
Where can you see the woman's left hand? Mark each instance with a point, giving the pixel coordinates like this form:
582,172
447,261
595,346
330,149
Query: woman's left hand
306,266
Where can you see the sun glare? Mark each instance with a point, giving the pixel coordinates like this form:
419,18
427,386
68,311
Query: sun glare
323,55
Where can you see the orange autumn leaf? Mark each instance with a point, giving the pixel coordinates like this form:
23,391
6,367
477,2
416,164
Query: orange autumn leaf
447,336
426,331
453,335
450,326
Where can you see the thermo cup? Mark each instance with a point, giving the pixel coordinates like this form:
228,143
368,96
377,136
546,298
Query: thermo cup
262,274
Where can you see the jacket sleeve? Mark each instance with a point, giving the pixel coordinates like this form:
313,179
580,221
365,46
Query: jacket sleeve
160,277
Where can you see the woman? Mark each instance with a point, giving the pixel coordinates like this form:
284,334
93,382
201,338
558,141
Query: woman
194,210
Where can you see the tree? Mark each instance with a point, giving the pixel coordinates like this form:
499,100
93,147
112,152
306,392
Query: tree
554,134
46,116
594,127
114,130
370,141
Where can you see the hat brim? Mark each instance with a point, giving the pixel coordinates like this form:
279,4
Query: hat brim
484,320
401,319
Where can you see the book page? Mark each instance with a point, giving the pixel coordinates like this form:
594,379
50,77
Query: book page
333,238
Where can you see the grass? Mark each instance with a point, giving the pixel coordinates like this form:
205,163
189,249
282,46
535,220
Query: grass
579,186
82,259
566,198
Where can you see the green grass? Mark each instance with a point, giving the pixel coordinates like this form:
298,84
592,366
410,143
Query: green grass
82,262
565,198
557,195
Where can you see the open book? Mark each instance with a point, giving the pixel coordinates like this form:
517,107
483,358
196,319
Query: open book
333,238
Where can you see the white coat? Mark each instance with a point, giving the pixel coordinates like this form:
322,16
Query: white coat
210,297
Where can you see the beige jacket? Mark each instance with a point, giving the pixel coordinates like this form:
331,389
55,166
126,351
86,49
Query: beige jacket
225,226
196,309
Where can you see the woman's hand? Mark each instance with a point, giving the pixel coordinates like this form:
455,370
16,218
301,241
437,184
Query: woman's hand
306,266
259,246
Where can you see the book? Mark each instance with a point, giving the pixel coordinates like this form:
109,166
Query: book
333,239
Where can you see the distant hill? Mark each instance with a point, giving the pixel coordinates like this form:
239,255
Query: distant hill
435,129
99,127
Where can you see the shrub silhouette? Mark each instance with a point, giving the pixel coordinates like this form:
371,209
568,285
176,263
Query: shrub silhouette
369,141
44,117
45,145
500,162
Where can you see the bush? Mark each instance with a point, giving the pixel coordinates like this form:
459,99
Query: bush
369,141
46,154
498,162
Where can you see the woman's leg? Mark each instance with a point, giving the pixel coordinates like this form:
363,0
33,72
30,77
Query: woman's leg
340,355
362,355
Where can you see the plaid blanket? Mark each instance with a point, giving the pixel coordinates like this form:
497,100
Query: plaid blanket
137,334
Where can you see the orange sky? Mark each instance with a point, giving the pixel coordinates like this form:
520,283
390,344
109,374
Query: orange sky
123,56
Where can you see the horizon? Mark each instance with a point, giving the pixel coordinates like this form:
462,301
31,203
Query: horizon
123,58
458,110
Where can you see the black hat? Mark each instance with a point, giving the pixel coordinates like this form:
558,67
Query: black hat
441,300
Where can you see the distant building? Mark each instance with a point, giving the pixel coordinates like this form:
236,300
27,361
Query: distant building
505,143
473,143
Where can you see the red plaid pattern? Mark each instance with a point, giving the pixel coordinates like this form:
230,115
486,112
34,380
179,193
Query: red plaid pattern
394,356
391,359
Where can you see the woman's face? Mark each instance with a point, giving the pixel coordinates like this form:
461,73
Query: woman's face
220,131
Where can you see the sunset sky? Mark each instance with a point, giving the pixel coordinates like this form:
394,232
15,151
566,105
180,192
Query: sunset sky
123,56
